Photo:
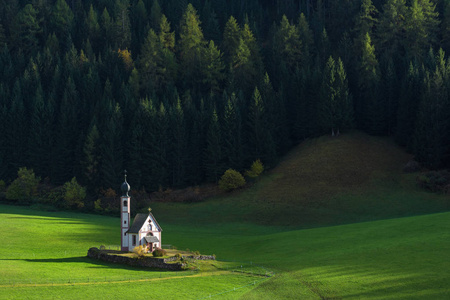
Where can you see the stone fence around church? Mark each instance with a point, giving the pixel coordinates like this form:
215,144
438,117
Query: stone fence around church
146,262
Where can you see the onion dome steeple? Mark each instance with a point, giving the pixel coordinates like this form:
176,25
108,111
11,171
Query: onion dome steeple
125,188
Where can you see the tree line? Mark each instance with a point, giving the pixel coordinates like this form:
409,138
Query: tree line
179,92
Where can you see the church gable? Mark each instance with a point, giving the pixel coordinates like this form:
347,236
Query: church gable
144,223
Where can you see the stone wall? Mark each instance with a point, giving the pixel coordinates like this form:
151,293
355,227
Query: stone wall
146,262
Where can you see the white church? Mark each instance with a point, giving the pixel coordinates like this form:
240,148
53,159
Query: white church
144,231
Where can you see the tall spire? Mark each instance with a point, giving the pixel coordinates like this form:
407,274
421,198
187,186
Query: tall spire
125,188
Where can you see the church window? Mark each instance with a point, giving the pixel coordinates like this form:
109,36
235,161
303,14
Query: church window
134,240
124,203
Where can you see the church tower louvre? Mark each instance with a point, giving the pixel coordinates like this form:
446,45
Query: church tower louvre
125,214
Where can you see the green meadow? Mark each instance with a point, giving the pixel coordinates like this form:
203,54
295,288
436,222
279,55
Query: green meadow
337,219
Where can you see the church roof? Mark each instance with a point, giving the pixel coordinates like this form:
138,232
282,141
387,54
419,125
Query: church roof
139,221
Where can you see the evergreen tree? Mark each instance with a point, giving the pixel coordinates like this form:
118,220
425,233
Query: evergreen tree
410,95
25,30
122,26
155,15
261,144
191,45
421,27
93,27
369,107
92,157
288,44
213,153
178,128
391,29
231,39
40,138
111,145
62,20
336,110
432,146
63,166
160,162
232,135
213,72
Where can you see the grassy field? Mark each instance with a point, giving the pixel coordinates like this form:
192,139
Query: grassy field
337,219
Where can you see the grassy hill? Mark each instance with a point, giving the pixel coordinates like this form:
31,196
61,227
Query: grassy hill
377,236
325,181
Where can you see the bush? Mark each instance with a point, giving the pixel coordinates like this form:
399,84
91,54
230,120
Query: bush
255,170
139,251
178,256
231,180
158,252
24,188
74,194
434,181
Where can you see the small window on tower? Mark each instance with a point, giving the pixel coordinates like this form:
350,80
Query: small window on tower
125,203
124,233
124,222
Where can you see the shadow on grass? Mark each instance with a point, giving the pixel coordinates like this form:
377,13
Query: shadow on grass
95,264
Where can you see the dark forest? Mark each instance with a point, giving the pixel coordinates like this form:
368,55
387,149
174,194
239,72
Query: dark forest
178,92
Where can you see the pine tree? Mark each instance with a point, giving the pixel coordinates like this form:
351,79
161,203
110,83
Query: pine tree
62,20
122,26
213,153
155,15
111,145
421,27
231,39
25,30
179,145
335,107
232,135
40,138
191,45
214,69
288,44
92,157
66,138
432,146
410,95
369,108
107,29
166,37
93,27
391,29
261,144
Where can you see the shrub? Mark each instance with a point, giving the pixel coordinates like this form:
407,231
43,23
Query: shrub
231,180
255,170
74,194
178,256
434,181
158,252
102,247
24,188
139,251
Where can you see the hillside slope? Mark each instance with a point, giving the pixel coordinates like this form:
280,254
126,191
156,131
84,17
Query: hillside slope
325,181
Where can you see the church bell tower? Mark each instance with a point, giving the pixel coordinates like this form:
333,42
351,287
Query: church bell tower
125,214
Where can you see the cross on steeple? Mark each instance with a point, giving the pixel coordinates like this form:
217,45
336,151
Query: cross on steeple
125,173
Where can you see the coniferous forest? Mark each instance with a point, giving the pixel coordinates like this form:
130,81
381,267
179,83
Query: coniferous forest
179,92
